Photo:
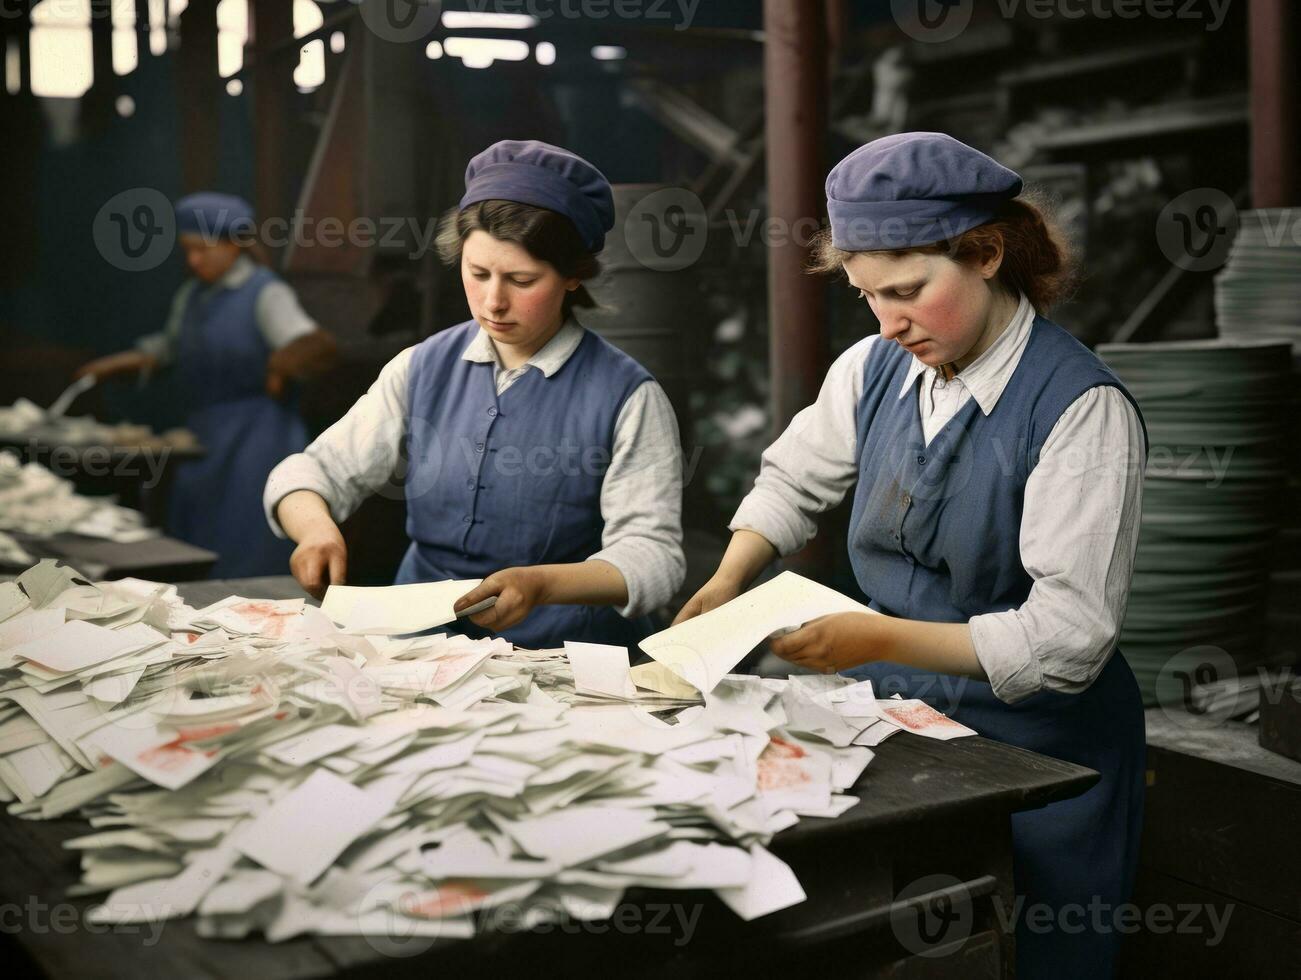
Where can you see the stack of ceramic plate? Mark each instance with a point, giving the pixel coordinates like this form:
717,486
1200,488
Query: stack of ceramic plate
1258,293
1216,414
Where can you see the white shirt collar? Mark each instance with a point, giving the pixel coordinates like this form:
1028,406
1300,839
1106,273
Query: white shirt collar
238,273
550,359
987,375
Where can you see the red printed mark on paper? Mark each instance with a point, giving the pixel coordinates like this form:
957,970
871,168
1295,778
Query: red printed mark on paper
172,757
269,620
450,899
780,767
917,717
451,669
199,733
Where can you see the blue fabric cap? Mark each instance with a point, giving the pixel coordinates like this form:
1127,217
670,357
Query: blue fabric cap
531,172
214,215
914,189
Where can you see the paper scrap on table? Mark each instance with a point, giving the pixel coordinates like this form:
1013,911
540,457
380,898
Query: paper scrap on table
772,887
74,646
29,625
13,600
302,833
600,669
392,610
702,650
921,719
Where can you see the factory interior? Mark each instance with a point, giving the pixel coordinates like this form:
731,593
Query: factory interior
462,504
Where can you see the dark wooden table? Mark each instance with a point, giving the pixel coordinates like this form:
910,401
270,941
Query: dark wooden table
161,559
931,831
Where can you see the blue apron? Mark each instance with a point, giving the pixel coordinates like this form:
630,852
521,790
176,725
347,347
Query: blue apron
499,481
216,501
934,536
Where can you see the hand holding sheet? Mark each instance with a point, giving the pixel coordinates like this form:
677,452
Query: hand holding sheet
396,609
702,650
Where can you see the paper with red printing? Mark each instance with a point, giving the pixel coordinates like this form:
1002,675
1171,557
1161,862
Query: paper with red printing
920,718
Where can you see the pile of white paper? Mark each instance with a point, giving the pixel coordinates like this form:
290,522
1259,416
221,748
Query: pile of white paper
252,764
25,420
36,502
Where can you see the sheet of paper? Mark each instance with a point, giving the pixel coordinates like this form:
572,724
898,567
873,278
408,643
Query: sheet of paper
580,834
12,600
771,888
685,864
302,833
74,646
24,627
921,719
157,754
662,679
467,855
114,688
47,580
308,747
394,609
702,650
876,733
600,669
152,901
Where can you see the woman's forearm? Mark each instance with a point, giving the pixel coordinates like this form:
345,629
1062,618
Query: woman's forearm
586,583
944,648
748,554
303,512
309,355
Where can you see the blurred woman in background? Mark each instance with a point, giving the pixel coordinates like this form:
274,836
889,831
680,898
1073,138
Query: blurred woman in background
239,340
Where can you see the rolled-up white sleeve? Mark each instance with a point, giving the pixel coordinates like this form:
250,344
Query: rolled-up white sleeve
641,502
812,465
281,319
1079,532
353,458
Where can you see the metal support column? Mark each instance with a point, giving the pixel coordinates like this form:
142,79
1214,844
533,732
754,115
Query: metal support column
1275,129
795,97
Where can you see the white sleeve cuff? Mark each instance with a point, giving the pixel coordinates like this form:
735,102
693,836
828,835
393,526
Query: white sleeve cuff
1004,652
297,472
158,345
766,513
652,573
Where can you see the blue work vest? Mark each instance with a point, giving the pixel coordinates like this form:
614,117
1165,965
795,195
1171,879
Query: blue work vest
216,501
498,481
935,529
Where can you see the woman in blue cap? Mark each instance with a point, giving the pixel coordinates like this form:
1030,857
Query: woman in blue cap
538,457
239,340
998,467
